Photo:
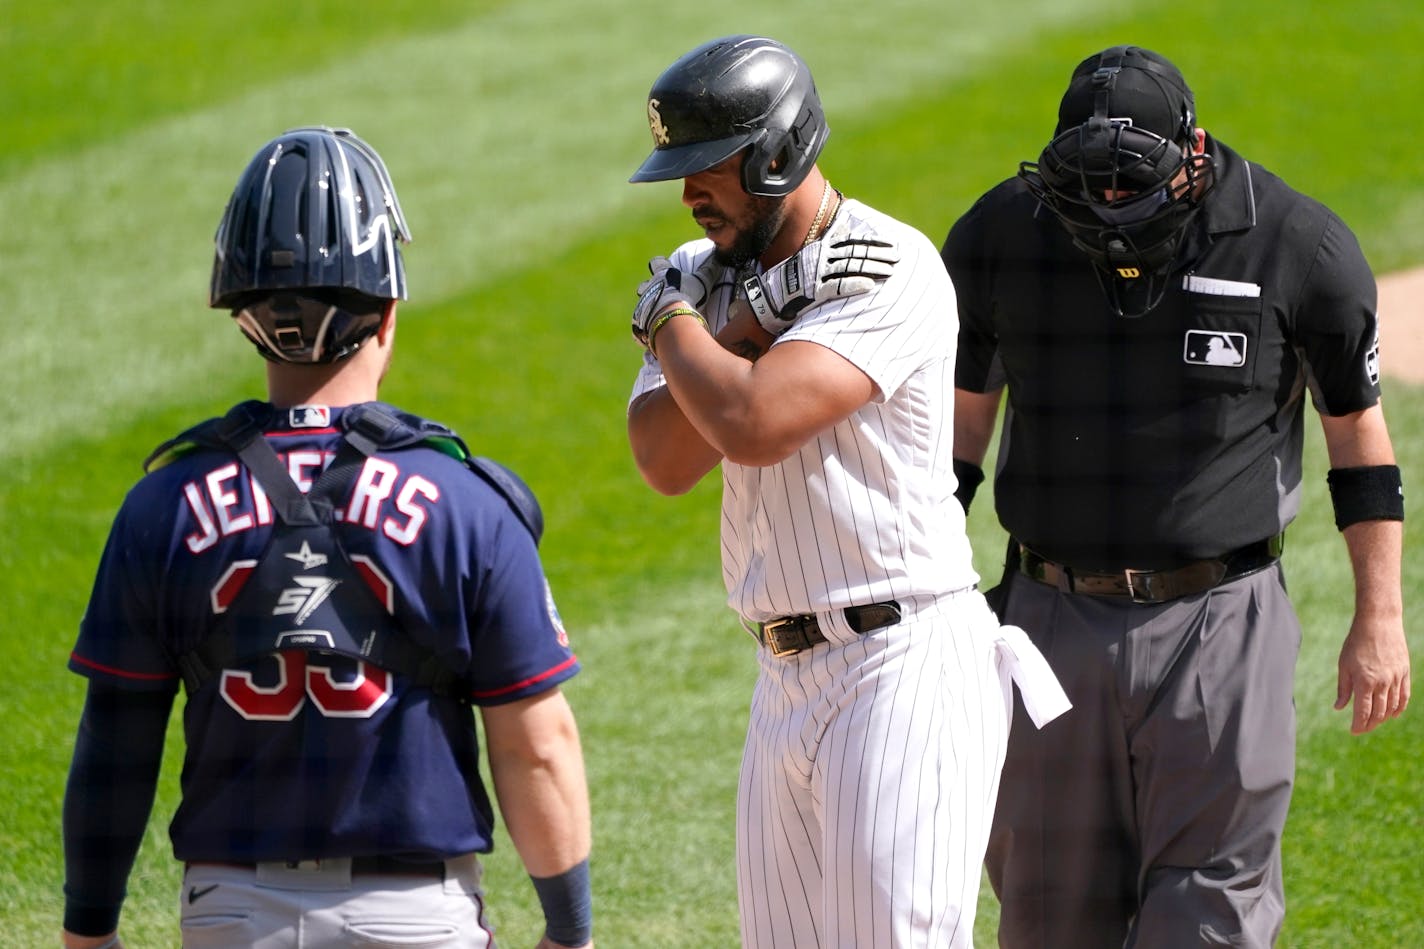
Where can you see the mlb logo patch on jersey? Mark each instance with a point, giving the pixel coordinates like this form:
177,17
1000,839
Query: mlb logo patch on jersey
309,416
1214,348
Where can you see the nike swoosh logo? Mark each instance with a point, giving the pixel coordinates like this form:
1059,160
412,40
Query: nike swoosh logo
195,894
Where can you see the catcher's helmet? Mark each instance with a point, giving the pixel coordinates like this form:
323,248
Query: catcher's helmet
734,93
307,250
1119,174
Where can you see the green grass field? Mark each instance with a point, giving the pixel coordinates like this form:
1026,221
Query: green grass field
510,129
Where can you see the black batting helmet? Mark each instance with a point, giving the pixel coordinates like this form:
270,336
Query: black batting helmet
308,249
734,93
1119,174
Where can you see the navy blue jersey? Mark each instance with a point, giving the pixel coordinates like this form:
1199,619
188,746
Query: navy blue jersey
301,754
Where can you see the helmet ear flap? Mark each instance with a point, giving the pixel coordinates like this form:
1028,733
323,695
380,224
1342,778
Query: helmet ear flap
780,160
770,167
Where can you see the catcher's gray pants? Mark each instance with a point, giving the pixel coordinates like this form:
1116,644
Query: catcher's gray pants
1150,815
325,906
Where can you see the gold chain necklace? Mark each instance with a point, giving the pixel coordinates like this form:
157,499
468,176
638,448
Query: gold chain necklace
821,216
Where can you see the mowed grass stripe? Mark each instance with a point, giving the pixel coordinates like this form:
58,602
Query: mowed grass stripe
510,137
523,351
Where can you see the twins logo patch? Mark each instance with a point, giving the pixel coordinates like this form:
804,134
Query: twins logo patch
1213,348
560,634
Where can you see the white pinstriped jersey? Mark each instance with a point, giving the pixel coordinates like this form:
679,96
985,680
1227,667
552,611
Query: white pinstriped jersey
865,511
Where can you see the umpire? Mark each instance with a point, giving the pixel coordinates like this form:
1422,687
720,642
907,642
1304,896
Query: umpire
335,583
1158,309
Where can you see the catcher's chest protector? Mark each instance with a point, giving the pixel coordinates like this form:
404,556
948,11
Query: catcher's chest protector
304,591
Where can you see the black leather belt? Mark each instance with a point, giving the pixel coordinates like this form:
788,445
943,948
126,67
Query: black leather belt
791,634
1153,586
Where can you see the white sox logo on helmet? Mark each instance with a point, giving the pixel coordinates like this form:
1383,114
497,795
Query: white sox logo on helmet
655,122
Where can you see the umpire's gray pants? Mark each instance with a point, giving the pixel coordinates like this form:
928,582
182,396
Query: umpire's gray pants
1150,815
325,907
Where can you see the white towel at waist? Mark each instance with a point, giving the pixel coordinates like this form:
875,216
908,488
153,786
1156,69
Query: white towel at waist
1043,697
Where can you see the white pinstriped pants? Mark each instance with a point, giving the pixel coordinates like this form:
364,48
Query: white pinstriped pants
868,782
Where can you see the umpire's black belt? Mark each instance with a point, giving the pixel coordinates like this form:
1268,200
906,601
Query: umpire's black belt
1153,586
791,634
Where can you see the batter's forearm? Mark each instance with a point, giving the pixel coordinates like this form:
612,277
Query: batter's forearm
713,388
670,454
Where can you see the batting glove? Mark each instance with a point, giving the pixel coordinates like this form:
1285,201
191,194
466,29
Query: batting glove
669,286
835,266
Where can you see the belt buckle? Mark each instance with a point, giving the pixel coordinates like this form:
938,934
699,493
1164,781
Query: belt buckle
1131,576
773,642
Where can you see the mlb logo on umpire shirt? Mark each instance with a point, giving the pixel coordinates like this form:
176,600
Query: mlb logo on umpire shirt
1213,348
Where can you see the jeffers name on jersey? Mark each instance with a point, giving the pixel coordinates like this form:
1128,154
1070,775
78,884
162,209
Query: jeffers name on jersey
382,498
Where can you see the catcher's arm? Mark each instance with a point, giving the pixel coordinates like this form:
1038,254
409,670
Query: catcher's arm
536,764
112,780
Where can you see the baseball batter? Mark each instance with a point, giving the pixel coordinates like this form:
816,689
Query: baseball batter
335,583
806,344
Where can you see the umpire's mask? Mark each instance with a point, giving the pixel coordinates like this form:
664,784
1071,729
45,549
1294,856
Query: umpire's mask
1123,181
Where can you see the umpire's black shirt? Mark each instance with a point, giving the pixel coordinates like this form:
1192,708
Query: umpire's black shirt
1178,435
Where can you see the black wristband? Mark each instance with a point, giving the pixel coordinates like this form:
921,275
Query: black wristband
90,920
567,901
969,476
1370,493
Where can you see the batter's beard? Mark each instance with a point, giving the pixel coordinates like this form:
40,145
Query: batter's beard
766,217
